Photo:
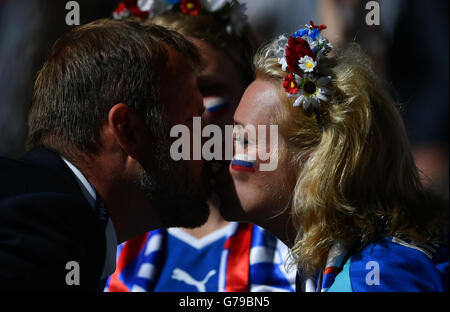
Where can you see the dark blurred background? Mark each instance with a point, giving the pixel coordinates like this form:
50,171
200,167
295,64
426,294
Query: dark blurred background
409,49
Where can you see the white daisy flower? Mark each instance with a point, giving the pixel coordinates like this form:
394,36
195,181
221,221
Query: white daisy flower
313,92
154,7
307,64
146,5
299,100
214,5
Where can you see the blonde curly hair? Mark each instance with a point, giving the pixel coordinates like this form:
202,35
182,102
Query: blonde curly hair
356,177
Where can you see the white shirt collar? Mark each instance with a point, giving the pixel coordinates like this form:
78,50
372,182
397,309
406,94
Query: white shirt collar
86,188
110,233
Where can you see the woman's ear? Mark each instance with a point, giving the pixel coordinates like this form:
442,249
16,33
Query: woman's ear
129,130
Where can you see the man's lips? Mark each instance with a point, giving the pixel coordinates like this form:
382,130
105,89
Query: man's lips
215,167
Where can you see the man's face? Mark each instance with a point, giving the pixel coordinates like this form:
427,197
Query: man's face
179,189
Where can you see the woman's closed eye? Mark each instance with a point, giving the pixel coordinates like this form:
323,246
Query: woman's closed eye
241,140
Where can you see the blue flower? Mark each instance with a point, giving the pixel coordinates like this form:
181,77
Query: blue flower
314,33
300,33
172,1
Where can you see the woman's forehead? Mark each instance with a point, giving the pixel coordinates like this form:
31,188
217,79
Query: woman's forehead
258,104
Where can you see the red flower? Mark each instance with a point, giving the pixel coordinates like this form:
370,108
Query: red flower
296,49
290,85
137,12
190,7
120,8
131,6
321,27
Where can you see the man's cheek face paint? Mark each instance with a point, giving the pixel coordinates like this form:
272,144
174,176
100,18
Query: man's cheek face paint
216,106
242,162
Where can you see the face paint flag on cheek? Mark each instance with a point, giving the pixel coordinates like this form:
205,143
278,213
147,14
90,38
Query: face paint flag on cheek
241,163
216,106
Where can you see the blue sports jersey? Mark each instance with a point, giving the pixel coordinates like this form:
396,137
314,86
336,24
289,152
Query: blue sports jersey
238,257
189,266
393,264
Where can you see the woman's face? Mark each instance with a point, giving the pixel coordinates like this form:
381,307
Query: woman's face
261,195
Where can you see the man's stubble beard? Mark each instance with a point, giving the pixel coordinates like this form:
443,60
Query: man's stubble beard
172,190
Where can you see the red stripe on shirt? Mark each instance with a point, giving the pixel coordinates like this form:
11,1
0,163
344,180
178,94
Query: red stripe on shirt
238,264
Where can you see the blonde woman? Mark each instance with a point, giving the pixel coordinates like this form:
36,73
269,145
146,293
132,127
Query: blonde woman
346,196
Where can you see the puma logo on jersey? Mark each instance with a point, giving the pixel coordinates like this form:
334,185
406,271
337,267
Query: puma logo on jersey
183,276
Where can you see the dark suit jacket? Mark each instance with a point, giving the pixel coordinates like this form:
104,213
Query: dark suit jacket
45,222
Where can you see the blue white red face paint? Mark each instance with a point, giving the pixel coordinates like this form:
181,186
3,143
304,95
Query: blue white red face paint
243,145
216,106
242,162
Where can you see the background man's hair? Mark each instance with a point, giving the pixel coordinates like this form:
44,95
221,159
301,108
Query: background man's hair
94,67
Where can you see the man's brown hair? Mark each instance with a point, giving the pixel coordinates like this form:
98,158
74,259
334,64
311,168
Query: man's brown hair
94,67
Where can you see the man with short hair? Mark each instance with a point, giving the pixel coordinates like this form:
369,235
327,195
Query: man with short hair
98,171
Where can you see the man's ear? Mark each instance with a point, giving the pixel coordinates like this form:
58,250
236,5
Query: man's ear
128,129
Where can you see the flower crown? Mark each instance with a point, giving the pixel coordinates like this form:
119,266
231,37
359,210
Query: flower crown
299,55
231,11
